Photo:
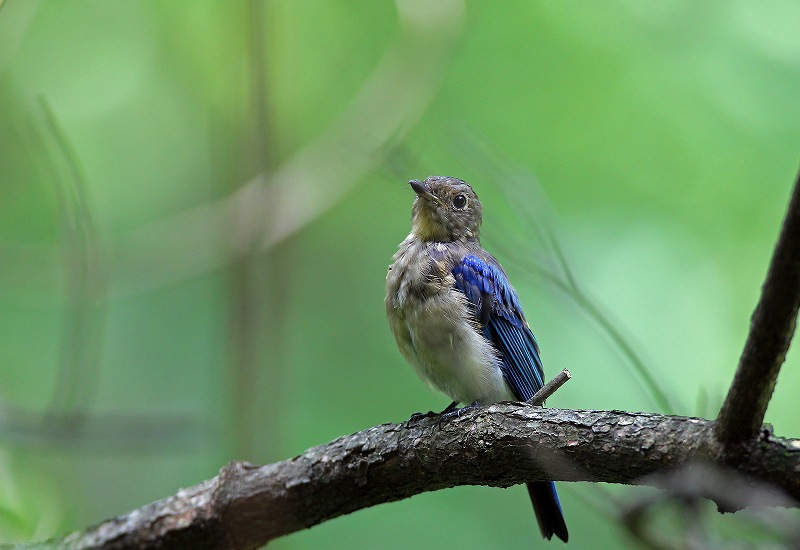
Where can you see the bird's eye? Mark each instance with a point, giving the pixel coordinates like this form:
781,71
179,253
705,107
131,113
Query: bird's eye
460,201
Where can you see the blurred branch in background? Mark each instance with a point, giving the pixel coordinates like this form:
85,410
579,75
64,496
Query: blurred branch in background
315,178
69,421
86,285
686,491
257,278
388,105
102,432
280,200
263,212
529,202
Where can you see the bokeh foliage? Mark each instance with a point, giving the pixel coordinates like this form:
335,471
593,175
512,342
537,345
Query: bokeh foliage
198,202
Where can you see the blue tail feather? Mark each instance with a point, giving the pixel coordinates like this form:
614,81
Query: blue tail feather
548,509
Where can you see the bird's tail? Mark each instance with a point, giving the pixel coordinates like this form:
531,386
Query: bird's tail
548,509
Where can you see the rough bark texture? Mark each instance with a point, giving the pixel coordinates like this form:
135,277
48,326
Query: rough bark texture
500,445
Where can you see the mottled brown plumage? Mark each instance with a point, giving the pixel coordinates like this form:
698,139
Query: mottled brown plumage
456,318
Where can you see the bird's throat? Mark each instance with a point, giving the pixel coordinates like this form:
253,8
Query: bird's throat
426,229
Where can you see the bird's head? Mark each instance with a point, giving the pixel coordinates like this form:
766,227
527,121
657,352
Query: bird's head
446,209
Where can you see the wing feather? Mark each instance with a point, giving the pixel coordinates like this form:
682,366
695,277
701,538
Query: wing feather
498,312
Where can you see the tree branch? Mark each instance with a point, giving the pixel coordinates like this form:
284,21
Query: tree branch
500,445
771,331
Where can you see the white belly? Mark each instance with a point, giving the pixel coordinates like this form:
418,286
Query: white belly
448,353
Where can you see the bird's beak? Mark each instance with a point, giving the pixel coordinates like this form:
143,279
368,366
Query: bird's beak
423,191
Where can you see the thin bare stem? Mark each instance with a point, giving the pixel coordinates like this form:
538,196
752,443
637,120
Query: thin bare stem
771,331
550,388
85,275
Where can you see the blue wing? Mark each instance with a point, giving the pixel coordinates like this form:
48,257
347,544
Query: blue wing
497,309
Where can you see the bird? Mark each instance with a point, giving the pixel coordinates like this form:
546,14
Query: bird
458,321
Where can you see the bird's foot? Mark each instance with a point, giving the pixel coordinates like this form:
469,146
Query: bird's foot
452,411
417,416
430,414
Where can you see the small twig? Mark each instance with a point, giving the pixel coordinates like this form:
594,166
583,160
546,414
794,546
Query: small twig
771,332
550,388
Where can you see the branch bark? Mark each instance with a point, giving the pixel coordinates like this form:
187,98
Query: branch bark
500,445
771,330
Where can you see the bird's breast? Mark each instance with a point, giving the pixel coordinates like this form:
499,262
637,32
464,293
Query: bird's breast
419,272
434,327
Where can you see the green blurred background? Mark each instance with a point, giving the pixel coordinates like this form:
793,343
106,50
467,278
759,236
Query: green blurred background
199,200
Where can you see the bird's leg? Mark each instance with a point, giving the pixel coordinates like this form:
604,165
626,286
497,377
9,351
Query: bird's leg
450,408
